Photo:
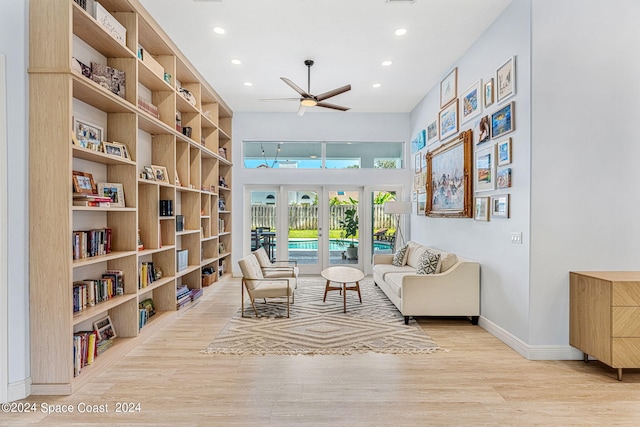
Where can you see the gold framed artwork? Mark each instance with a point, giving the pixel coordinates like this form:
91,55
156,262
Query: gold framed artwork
449,192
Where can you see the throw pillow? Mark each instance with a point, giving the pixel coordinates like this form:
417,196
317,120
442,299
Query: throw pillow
428,263
399,257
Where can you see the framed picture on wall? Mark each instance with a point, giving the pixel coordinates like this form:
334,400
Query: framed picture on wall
422,203
418,162
502,121
488,93
504,152
448,120
481,209
471,101
506,80
432,131
485,169
449,88
500,206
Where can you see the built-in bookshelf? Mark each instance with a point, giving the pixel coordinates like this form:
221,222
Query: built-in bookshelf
168,153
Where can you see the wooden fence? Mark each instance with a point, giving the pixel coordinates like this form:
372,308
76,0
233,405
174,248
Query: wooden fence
305,217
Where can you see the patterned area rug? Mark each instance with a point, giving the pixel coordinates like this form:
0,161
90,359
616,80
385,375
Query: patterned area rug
315,327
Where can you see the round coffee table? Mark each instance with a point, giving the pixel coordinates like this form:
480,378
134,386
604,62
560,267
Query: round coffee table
343,275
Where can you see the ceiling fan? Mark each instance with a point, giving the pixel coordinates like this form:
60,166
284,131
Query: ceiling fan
307,99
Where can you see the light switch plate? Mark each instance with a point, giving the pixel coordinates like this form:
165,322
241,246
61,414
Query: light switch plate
516,237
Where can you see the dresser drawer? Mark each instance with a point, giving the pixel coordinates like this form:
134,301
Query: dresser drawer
625,322
626,353
625,294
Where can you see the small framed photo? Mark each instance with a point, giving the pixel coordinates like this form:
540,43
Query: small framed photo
160,173
114,191
500,206
481,211
504,152
448,119
422,203
432,131
418,163
502,121
83,183
87,134
104,329
504,178
488,93
485,167
114,149
471,102
506,80
449,88
148,172
482,131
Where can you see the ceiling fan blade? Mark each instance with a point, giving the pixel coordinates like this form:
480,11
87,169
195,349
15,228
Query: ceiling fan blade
301,110
280,99
334,92
295,87
333,106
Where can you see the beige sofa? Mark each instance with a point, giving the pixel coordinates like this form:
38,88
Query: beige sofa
453,290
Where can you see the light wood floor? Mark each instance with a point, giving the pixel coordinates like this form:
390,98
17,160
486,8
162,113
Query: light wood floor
479,381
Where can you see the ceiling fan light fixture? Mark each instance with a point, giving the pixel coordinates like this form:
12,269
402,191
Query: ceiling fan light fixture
308,102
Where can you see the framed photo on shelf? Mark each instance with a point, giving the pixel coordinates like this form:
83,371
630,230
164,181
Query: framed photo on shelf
481,209
504,152
448,179
485,169
504,178
449,88
148,173
506,80
500,206
432,131
160,173
448,119
88,135
83,183
114,191
115,149
488,93
104,329
471,102
502,121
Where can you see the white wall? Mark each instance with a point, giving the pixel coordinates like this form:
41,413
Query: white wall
585,152
13,44
311,127
504,265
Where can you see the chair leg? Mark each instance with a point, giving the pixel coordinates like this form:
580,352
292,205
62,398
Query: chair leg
242,300
255,310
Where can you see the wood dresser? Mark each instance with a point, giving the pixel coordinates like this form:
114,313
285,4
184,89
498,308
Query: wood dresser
604,316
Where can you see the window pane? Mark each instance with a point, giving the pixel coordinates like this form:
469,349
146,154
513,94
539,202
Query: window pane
291,155
346,155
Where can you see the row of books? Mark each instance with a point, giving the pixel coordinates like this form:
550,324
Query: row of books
87,293
147,274
86,347
93,200
147,106
147,309
90,243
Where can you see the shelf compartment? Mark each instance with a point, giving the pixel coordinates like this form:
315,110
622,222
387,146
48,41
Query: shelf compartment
155,251
189,269
98,157
88,29
102,258
95,95
158,283
102,307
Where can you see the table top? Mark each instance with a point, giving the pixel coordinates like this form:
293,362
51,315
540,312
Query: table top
342,274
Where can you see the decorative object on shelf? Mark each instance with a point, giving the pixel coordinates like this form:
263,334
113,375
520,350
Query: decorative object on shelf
481,209
448,120
506,80
186,131
109,78
114,191
104,329
449,88
110,24
179,121
471,102
178,180
222,204
140,244
83,183
160,173
504,152
88,135
182,259
488,93
115,149
482,130
82,3
179,222
432,131
167,77
398,208
80,68
222,152
148,172
504,178
187,95
502,121
221,248
500,206
485,169
222,182
449,168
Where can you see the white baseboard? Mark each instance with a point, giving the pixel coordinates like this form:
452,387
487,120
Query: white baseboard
19,390
536,352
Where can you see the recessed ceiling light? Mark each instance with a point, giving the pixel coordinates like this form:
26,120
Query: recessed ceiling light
376,85
401,31
219,30
248,84
236,62
386,63
313,157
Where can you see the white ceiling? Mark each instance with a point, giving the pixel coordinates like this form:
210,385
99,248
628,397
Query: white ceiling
347,39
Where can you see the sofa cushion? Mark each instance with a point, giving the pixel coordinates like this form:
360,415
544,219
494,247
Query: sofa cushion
394,282
429,262
447,260
414,252
383,269
400,257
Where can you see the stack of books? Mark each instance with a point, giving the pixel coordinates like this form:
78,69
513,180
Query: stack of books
195,294
93,200
183,296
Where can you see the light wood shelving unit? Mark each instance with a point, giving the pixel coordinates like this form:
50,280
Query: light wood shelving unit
61,30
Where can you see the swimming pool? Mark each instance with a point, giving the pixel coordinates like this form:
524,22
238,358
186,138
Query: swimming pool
334,245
